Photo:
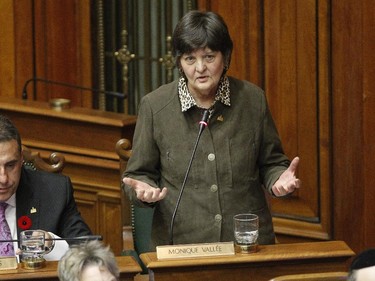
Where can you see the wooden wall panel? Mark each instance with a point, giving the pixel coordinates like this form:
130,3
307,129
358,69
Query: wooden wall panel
47,39
244,20
324,104
291,75
23,38
348,117
7,49
369,121
353,91
59,52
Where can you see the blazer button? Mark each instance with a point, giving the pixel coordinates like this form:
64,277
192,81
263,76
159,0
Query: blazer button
213,188
211,157
218,218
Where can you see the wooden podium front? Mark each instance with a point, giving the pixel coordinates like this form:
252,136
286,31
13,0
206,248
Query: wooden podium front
270,261
127,265
87,138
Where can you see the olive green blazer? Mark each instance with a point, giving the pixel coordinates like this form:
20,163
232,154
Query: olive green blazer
238,157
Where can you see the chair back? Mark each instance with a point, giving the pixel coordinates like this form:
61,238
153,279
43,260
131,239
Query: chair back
33,160
137,235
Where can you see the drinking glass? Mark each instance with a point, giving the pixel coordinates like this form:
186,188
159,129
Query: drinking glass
32,247
246,232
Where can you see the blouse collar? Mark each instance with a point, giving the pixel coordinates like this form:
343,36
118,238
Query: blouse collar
187,100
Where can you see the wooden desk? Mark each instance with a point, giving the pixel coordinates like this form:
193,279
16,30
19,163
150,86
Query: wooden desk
127,265
268,262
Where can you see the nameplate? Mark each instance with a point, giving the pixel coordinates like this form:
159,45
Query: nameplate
183,251
8,263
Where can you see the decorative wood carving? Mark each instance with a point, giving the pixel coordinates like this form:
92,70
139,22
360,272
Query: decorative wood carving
55,164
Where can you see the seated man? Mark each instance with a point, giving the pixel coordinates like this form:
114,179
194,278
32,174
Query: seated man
34,199
363,266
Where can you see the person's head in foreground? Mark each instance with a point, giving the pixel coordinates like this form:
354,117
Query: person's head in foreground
363,266
90,261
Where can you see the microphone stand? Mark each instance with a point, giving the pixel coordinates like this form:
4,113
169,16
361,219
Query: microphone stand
202,125
36,79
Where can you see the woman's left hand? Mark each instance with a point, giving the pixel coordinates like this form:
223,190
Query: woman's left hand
288,180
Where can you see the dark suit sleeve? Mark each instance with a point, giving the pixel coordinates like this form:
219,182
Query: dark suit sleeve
71,223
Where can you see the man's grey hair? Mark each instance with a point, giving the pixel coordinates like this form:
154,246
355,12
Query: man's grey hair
9,132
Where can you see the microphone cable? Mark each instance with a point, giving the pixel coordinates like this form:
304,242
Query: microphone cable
37,79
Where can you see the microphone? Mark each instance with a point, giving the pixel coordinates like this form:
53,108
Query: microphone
202,125
37,79
79,238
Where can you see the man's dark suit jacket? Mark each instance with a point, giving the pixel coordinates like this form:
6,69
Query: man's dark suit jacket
47,199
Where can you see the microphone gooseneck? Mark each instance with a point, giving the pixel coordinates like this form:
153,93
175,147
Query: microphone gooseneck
36,79
202,125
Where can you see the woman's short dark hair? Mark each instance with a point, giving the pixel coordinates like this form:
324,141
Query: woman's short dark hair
198,30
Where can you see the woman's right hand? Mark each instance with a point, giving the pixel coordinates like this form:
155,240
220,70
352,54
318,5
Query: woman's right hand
146,192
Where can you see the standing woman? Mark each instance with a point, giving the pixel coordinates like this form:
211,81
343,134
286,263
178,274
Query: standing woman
238,155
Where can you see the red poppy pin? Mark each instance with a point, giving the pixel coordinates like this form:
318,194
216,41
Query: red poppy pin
24,222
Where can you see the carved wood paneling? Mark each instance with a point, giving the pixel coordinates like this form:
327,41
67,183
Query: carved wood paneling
48,39
244,20
7,49
368,46
353,93
88,207
293,46
62,50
